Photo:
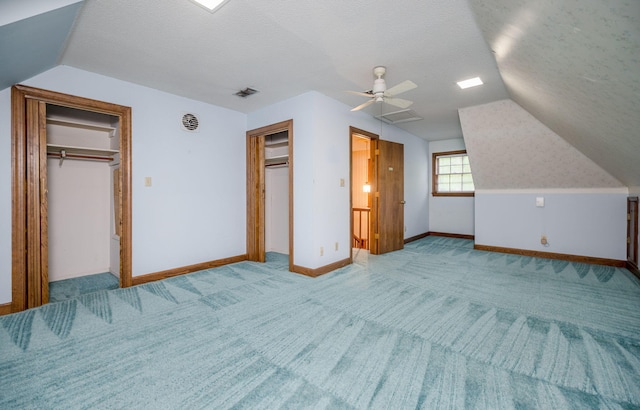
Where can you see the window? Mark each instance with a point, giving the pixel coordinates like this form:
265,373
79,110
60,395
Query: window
452,174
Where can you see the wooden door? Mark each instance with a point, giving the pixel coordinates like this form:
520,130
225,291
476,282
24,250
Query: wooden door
632,231
255,199
387,207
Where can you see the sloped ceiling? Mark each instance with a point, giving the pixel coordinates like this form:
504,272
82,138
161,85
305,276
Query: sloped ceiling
575,66
531,155
32,37
287,47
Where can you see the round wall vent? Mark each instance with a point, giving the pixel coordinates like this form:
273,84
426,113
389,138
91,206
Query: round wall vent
190,122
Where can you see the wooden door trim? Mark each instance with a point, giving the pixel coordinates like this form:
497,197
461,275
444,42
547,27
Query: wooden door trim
352,131
632,222
255,190
26,154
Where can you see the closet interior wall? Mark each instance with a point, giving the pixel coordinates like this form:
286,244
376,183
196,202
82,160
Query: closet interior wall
277,193
82,165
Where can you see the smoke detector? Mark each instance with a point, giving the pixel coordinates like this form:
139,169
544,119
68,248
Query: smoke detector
189,122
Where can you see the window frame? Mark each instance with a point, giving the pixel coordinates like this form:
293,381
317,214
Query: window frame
434,175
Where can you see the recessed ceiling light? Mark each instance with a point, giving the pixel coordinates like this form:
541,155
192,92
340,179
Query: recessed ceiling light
472,82
211,5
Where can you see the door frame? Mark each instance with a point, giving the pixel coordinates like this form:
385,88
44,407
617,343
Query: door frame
632,231
357,131
29,253
256,190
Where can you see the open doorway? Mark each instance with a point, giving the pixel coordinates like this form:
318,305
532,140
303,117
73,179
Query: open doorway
384,224
360,190
361,184
270,191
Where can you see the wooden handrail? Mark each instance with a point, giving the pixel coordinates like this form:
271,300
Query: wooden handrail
359,241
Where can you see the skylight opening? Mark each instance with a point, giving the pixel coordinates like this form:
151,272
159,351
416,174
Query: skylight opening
471,82
210,5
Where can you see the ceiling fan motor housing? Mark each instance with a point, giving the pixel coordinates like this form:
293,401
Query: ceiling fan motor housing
379,87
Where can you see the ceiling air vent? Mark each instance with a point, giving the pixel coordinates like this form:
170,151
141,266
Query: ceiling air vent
246,92
189,122
399,116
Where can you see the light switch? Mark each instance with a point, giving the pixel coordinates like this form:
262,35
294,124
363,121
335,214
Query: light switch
342,182
147,181
540,202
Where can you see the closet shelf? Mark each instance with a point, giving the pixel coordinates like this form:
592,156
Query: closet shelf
57,149
83,125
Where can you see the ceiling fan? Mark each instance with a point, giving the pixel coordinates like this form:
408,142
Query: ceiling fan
380,93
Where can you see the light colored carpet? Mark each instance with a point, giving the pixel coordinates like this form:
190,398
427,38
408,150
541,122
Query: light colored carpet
437,325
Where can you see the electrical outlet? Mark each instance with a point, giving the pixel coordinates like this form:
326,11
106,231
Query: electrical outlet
543,240
322,251
336,245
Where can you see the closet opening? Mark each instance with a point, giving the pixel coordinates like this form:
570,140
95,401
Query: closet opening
71,192
270,192
83,166
276,233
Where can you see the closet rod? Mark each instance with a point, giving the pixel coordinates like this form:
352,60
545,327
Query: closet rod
77,156
279,164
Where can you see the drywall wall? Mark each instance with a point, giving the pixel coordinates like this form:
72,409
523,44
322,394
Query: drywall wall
515,159
195,209
580,222
449,214
635,191
79,218
5,196
321,161
276,232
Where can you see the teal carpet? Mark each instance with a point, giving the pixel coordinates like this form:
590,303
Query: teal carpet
70,288
437,325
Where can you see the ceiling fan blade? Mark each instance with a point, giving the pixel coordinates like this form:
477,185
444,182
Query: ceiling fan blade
361,106
398,102
400,88
361,94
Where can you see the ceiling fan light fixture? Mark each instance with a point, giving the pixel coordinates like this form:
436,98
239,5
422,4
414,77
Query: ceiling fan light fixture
210,5
471,82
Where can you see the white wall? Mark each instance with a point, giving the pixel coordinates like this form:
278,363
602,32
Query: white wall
5,196
194,211
276,181
321,160
578,222
515,158
449,214
635,191
79,218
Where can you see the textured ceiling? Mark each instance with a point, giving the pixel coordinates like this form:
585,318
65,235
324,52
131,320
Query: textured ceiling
285,48
575,66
